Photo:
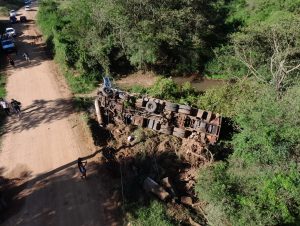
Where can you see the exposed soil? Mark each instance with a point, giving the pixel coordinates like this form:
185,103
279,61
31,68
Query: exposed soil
40,179
199,83
147,79
161,158
144,79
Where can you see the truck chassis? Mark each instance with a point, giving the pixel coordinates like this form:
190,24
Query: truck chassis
162,116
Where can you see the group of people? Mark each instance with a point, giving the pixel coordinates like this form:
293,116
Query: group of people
13,106
12,62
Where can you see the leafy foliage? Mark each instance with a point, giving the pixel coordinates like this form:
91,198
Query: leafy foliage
152,215
6,6
166,88
266,36
2,86
169,36
260,182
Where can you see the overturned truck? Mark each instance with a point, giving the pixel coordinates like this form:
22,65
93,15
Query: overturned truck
160,115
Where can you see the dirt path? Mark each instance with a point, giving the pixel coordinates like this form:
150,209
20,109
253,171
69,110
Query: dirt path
44,144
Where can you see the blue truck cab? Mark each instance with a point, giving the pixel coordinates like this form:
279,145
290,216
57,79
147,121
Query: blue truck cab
8,45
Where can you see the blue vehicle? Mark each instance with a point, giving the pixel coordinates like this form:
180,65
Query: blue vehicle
8,45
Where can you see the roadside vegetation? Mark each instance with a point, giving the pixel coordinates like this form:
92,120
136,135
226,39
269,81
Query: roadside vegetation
2,95
153,215
255,45
7,5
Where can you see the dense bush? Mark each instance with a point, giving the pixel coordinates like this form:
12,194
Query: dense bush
2,85
167,89
169,36
266,32
151,215
260,182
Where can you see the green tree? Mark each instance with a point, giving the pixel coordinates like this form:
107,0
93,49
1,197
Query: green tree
259,184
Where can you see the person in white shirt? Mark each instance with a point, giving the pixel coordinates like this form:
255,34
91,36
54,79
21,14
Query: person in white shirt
5,106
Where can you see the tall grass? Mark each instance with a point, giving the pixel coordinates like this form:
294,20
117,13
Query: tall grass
2,85
154,214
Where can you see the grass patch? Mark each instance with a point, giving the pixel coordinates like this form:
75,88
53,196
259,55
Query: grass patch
82,84
2,95
154,214
83,103
2,85
7,5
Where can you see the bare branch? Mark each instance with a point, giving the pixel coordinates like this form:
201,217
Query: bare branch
294,68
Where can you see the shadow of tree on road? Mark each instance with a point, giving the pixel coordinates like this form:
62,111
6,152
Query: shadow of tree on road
60,197
39,112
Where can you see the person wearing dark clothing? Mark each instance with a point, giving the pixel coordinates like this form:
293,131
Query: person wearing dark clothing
5,106
12,62
16,106
81,167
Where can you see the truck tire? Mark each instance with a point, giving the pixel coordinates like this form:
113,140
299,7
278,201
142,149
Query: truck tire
184,111
179,132
107,92
171,107
151,106
186,107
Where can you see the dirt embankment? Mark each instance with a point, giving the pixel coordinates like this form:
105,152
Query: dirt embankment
160,157
147,79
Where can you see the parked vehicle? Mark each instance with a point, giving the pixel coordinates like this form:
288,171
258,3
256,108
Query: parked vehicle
8,45
23,19
10,32
27,7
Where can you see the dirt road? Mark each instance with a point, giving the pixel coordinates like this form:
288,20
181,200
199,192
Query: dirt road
44,144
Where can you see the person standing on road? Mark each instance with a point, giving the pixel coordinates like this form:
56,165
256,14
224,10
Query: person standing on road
16,106
5,106
11,61
26,57
81,166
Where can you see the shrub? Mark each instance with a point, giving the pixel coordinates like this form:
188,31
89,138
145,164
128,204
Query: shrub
260,182
164,88
154,214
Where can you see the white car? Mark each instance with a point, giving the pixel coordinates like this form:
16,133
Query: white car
12,13
27,8
10,31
